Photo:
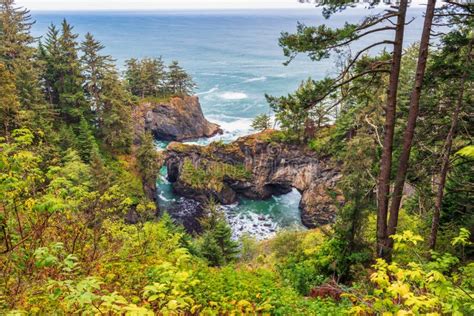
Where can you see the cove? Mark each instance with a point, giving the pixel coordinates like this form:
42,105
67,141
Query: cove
260,219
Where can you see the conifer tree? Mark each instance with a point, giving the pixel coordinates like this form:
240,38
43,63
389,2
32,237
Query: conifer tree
178,81
148,164
133,76
152,76
95,67
115,116
8,101
18,54
108,98
320,41
261,122
85,141
217,244
146,77
15,34
62,74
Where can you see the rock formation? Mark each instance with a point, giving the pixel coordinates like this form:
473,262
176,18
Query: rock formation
176,120
257,167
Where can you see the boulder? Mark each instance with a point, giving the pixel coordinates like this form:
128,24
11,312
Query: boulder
177,120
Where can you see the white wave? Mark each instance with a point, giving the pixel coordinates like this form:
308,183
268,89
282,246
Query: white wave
233,127
163,198
214,89
262,78
214,74
234,124
233,95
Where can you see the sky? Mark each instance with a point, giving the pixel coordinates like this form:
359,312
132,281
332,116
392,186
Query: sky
155,4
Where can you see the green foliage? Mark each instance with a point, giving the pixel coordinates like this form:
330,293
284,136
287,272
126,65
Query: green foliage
145,77
302,112
261,122
178,82
301,259
149,78
458,199
433,287
217,245
210,175
65,247
8,100
148,159
315,40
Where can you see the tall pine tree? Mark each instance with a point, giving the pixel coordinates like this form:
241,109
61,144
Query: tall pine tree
18,54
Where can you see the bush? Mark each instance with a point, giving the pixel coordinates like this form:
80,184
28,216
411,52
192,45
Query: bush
438,286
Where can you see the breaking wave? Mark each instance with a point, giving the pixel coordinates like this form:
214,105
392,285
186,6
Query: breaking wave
233,96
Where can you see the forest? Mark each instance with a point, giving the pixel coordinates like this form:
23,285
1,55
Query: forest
80,232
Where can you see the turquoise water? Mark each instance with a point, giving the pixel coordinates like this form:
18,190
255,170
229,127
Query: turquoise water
258,218
235,59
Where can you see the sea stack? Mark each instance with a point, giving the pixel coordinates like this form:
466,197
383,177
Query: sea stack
179,119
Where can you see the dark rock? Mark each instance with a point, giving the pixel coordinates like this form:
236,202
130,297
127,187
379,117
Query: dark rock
275,169
187,212
177,120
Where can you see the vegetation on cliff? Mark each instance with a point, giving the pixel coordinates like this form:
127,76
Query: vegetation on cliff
78,231
210,175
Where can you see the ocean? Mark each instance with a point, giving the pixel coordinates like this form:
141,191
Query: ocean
234,58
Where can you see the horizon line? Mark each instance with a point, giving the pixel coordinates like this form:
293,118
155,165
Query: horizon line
182,9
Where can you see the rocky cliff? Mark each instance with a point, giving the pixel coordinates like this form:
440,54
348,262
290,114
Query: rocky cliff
176,120
257,167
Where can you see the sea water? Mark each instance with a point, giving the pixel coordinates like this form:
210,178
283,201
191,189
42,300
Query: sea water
235,59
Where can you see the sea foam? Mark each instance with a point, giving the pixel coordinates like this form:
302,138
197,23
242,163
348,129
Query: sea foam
212,90
233,96
263,78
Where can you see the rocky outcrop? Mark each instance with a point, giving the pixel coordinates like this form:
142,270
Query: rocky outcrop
257,167
176,120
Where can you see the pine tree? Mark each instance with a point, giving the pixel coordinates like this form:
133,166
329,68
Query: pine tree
148,164
146,77
115,116
318,42
217,244
133,77
261,122
19,56
211,250
223,236
85,141
108,97
15,34
62,74
9,104
297,109
178,81
152,76
95,67
49,53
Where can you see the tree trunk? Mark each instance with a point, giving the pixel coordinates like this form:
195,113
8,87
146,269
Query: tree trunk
411,124
390,112
447,154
